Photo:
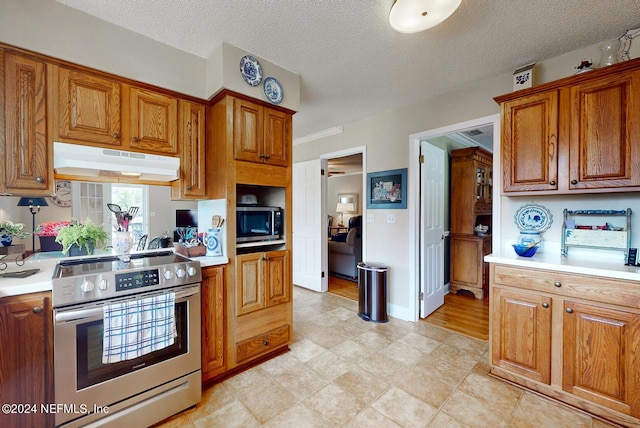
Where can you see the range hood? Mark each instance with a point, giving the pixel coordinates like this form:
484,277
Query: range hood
87,161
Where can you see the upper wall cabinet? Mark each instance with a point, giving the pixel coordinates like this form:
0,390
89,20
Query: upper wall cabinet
191,125
24,146
88,108
576,135
91,109
261,134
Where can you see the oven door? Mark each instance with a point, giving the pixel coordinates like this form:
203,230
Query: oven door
84,383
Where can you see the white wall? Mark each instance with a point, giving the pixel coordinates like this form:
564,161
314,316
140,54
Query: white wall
339,184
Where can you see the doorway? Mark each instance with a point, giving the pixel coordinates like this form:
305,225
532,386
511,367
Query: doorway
483,132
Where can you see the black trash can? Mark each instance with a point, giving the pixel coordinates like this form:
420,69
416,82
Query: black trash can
372,292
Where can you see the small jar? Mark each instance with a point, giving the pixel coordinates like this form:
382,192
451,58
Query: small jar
610,53
528,237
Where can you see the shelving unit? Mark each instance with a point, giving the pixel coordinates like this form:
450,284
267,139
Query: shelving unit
597,238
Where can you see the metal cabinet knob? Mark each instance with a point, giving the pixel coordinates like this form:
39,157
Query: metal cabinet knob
40,179
189,187
557,284
552,182
265,343
116,135
36,310
574,181
135,139
569,310
267,157
545,305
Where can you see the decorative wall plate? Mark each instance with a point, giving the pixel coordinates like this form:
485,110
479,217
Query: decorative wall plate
62,197
273,90
533,217
251,70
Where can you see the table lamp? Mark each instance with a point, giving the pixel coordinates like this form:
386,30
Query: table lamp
34,205
345,207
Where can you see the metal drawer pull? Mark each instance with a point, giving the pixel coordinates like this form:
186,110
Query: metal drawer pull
265,343
557,284
569,310
545,305
37,310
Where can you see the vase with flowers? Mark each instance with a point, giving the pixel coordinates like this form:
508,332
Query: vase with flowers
9,230
47,233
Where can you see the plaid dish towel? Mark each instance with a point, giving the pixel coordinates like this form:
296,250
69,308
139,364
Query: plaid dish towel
138,327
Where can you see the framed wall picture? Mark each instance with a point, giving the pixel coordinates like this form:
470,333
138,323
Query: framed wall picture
387,189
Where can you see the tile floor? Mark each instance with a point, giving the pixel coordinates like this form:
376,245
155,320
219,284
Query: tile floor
345,372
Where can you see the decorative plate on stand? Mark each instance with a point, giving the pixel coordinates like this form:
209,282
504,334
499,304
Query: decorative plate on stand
273,90
533,217
251,70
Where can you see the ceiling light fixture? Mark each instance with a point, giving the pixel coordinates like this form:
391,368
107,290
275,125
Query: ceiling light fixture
413,16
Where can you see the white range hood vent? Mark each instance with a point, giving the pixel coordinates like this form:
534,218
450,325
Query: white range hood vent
87,161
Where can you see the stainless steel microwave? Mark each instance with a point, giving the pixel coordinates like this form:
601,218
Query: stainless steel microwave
255,223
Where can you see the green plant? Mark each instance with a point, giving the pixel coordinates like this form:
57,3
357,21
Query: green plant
83,235
13,229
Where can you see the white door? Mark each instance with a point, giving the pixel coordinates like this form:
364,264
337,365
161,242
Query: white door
431,228
309,229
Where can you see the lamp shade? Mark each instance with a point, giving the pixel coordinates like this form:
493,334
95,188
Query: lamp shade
412,16
32,202
347,207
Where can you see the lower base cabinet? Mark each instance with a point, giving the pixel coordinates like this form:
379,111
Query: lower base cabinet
26,358
574,338
213,317
468,269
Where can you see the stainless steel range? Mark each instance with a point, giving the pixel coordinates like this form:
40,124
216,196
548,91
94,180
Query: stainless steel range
126,339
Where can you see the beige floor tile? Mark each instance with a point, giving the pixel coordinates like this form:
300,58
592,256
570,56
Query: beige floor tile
327,338
467,344
403,353
350,350
362,384
432,331
213,398
474,412
370,418
331,365
305,350
281,365
302,381
425,386
443,420
267,400
537,412
298,416
444,370
404,409
456,357
380,364
247,380
373,339
334,404
421,343
499,396
233,415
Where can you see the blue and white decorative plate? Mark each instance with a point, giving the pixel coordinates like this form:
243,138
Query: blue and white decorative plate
273,90
251,70
533,217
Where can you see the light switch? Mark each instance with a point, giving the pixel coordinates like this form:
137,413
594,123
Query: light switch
391,218
371,218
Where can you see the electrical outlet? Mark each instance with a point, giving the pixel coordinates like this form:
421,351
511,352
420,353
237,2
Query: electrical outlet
391,218
371,218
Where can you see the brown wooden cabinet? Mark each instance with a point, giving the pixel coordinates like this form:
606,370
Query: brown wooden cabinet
24,144
88,108
557,140
262,280
575,338
468,270
26,360
153,119
261,134
471,204
192,181
213,316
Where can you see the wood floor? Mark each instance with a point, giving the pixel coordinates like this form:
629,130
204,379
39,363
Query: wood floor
461,313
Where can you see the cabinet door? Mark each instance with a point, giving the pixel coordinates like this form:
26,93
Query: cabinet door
88,108
277,135
468,269
601,350
277,282
212,322
604,148
521,333
191,184
530,143
26,360
249,283
154,121
26,147
248,131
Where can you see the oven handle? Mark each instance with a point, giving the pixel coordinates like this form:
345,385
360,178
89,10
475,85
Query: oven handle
99,310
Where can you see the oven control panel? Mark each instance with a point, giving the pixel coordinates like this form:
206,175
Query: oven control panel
139,279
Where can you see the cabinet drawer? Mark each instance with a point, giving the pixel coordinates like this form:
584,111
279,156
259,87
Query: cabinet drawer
262,343
605,290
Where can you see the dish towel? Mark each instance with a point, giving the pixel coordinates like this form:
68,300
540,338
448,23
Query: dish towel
138,327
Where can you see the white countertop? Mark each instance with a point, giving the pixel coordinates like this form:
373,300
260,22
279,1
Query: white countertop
602,266
47,262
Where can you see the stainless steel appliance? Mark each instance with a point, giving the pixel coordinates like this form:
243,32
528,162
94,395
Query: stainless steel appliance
256,223
135,392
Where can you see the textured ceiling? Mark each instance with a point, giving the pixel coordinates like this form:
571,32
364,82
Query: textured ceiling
352,64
